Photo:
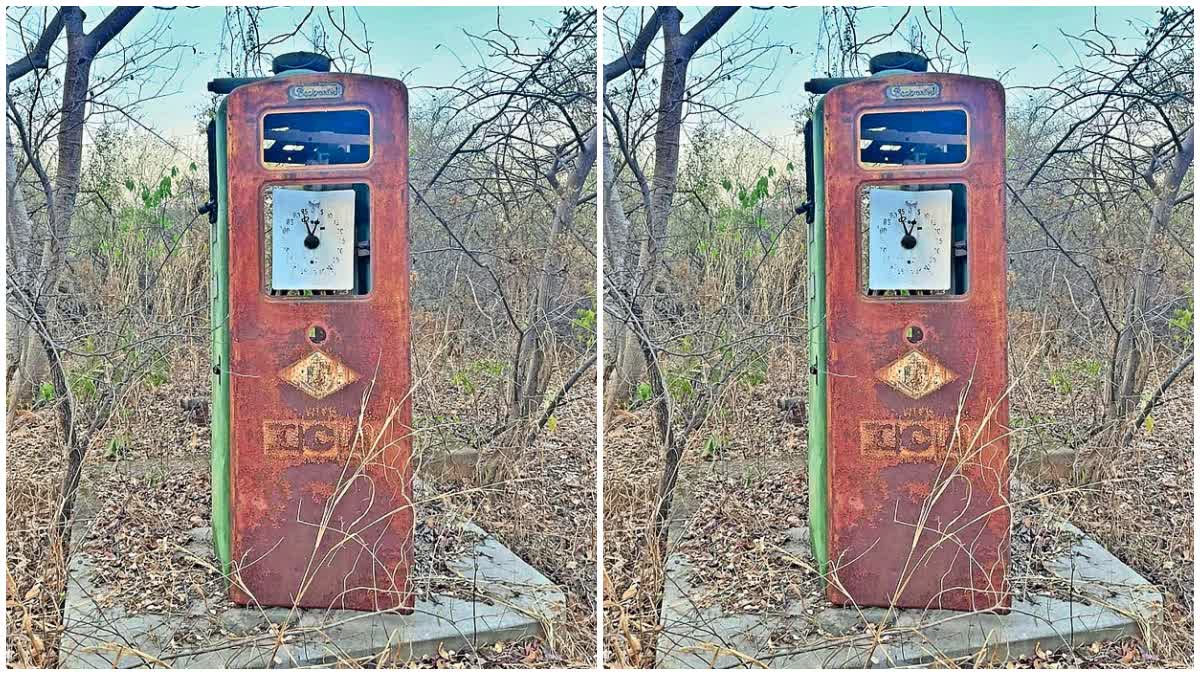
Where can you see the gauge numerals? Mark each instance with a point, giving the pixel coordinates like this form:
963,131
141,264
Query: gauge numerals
312,240
909,240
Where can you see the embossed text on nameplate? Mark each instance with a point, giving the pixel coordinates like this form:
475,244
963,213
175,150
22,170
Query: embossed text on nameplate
313,439
918,440
905,92
308,92
322,440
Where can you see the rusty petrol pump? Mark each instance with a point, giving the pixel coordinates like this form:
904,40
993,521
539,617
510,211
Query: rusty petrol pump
908,451
312,483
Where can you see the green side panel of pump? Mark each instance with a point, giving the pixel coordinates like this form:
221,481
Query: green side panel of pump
221,520
818,521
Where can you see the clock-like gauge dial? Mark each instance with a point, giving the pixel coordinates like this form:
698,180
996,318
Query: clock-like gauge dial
312,240
909,240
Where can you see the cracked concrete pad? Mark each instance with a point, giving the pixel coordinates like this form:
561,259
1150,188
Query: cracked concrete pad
1108,600
511,600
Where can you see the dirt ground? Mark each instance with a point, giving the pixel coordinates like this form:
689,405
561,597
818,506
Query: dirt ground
539,502
1137,502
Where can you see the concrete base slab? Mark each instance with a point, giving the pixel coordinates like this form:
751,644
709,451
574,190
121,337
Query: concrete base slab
509,600
1105,600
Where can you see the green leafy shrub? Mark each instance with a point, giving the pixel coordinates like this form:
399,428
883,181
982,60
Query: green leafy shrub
584,326
713,445
1182,321
117,448
477,374
1074,375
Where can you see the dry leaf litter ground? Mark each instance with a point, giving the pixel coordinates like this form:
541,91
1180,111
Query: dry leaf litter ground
1138,504
147,477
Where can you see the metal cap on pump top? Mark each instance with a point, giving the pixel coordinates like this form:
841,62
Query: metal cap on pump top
300,61
898,61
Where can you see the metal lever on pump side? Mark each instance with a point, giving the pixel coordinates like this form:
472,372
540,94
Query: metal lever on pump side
225,85
822,85
210,207
806,210
809,208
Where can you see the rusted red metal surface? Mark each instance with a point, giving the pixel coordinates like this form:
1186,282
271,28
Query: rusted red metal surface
918,517
322,504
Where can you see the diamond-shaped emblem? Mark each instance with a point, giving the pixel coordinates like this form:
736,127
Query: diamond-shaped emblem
318,375
915,375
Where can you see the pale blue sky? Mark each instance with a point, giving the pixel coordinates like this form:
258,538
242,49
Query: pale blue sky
1000,39
428,42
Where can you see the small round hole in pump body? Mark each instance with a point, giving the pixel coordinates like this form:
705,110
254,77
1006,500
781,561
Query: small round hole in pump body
317,334
914,334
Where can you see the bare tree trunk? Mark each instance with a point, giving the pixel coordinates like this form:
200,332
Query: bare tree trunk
82,49
1127,378
539,334
70,147
678,50
662,193
627,354
666,150
61,201
27,359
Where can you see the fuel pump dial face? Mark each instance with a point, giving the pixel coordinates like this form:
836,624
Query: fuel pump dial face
312,240
909,240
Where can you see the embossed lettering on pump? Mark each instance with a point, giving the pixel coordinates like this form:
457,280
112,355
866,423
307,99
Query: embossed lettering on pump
307,92
905,92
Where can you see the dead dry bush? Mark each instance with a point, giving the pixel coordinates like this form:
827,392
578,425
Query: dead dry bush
1137,502
129,315
539,501
35,569
633,565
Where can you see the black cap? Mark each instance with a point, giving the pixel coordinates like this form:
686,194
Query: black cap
898,61
300,61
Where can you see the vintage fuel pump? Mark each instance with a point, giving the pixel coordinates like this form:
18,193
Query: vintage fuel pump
908,392
312,486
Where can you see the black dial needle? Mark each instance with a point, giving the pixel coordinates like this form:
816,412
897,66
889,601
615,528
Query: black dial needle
311,241
908,241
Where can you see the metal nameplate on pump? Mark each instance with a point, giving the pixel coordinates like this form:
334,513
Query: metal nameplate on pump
308,92
906,92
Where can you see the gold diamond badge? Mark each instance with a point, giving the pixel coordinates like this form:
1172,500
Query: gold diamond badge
318,375
915,375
